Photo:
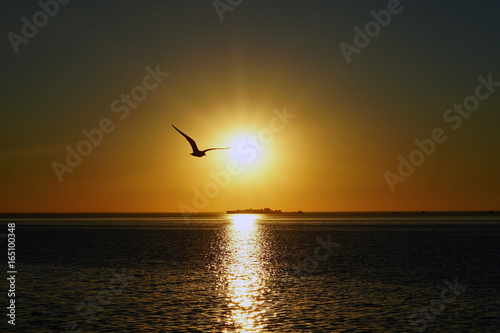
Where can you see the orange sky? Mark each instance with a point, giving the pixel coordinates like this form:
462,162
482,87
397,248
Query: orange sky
226,83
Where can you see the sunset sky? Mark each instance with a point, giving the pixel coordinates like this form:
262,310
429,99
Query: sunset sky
325,131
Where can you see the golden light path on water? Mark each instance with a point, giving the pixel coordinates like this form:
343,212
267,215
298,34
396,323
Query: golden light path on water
244,274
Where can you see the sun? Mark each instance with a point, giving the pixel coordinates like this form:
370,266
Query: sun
247,150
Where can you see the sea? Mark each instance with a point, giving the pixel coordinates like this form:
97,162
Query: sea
310,272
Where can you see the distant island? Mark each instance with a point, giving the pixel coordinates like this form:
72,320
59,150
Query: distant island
260,211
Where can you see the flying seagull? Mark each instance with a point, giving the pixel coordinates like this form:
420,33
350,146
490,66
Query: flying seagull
196,151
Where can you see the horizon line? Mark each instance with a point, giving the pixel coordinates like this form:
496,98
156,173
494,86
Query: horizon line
63,214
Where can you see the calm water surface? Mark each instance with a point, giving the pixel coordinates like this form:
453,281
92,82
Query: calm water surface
250,273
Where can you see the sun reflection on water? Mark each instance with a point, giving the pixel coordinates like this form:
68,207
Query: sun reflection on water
244,275
244,223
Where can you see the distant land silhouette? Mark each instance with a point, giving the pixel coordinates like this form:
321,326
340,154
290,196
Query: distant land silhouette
339,214
260,211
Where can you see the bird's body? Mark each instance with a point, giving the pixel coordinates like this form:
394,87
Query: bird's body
196,152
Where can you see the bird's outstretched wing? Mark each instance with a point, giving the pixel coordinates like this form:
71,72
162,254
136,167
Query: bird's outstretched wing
215,149
191,141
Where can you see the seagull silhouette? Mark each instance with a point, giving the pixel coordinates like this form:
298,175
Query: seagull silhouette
196,152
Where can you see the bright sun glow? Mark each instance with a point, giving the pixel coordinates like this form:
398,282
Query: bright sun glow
247,148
